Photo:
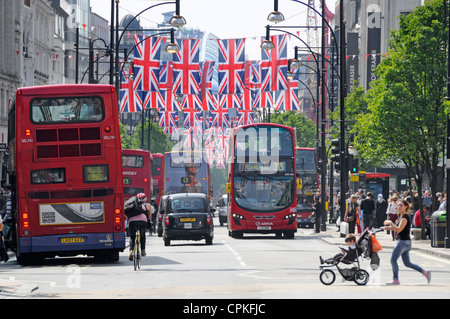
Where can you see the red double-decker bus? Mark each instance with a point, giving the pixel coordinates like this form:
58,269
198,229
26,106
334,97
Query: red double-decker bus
65,166
137,173
158,176
262,181
308,175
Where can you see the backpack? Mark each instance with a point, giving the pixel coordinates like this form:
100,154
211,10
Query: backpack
130,207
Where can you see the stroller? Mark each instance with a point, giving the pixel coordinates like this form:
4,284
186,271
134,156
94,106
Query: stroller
364,248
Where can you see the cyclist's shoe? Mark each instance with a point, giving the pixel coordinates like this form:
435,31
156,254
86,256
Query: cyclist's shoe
130,257
143,253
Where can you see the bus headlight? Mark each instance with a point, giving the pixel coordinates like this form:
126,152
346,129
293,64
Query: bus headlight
290,217
237,218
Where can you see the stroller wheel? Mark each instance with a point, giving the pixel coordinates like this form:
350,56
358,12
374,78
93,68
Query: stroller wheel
361,277
327,277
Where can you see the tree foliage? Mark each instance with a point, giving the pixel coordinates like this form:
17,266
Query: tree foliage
305,128
406,117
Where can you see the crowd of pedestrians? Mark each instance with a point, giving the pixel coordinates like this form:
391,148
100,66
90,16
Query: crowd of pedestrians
364,210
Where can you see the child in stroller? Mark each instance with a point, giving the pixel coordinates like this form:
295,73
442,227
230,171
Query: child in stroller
347,255
350,256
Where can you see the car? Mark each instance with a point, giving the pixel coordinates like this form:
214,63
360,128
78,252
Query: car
159,217
223,209
187,216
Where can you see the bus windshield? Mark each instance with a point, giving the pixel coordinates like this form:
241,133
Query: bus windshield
263,193
306,161
66,110
132,161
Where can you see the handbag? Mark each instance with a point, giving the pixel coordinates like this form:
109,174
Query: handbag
349,219
344,229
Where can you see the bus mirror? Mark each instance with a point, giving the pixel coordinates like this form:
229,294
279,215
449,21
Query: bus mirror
299,183
228,188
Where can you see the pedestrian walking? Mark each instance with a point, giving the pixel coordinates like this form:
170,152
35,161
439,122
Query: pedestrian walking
350,213
392,212
368,209
403,246
381,207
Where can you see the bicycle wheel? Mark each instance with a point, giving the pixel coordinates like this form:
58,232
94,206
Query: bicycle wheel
361,277
327,277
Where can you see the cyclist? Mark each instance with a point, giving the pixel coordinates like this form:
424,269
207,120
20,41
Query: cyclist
139,221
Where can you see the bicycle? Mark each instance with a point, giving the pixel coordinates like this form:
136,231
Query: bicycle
137,250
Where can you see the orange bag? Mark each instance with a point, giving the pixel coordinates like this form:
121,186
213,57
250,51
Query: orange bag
376,246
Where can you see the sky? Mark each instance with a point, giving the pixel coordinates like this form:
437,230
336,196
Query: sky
227,19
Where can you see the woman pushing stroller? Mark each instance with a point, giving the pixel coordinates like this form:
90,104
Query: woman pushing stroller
403,246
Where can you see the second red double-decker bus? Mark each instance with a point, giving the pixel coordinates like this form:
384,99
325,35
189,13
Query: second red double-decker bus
158,176
308,176
137,171
262,181
65,167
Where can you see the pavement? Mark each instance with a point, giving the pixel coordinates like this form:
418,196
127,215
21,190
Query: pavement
332,236
12,289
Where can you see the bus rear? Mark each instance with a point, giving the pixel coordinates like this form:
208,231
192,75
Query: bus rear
65,166
158,176
137,171
186,172
262,181
308,175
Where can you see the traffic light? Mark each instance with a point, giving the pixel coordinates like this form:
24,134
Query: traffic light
354,168
336,150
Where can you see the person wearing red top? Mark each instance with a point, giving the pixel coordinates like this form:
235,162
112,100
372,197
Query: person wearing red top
418,221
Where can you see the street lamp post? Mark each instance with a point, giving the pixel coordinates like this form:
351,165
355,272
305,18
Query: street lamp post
447,234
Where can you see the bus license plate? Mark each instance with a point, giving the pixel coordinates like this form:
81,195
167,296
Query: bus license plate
183,220
72,240
264,227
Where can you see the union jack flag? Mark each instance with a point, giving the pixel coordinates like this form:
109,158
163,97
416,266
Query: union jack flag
231,66
287,100
192,113
263,99
274,65
166,75
209,150
153,100
170,104
146,63
219,116
130,99
191,140
252,74
168,121
246,112
186,67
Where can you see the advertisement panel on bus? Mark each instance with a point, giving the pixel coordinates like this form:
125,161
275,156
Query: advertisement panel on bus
186,173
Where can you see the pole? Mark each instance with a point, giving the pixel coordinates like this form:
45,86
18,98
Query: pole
323,123
447,233
111,44
343,91
77,61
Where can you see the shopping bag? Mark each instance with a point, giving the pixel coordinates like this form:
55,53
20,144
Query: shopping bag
376,246
344,229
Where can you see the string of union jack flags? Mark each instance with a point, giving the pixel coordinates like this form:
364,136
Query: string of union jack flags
243,86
